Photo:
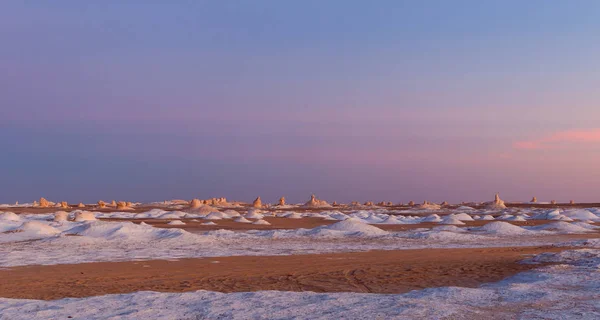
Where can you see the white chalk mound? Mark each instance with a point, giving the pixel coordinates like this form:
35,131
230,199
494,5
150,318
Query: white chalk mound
352,226
176,223
451,220
242,220
38,228
61,216
261,222
9,216
84,216
502,228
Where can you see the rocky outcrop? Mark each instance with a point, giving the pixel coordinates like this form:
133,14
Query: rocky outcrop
195,203
257,203
44,203
316,203
496,204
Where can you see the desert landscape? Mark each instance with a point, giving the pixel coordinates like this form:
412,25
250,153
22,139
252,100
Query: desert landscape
214,259
300,160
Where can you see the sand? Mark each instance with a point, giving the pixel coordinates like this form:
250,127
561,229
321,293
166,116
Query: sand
374,272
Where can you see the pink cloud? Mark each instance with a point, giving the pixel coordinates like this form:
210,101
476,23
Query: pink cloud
560,138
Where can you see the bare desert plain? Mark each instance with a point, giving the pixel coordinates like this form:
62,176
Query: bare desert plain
214,259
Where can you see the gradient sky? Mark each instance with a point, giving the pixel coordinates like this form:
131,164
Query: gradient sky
351,100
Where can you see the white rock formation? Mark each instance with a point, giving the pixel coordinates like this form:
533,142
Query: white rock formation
497,204
122,205
281,201
430,206
257,203
101,204
534,200
316,203
195,203
61,216
44,203
84,216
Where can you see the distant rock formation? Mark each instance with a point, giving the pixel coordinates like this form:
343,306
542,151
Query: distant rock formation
534,200
411,203
35,203
369,203
81,205
390,203
445,203
334,203
122,205
257,203
281,201
355,203
553,202
195,203
101,204
129,204
44,203
428,205
113,203
496,204
64,204
572,202
316,203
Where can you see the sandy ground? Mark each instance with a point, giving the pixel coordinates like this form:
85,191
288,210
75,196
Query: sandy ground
375,271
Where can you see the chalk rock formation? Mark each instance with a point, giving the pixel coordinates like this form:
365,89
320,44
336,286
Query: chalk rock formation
44,203
64,204
411,203
113,203
334,203
81,205
572,202
390,203
281,201
534,200
84,216
257,203
553,202
195,203
101,204
496,204
61,216
428,205
445,203
129,204
316,203
368,203
122,205
355,203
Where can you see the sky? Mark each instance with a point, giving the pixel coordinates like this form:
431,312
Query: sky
383,100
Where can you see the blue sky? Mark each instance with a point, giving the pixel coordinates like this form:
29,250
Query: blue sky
352,100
